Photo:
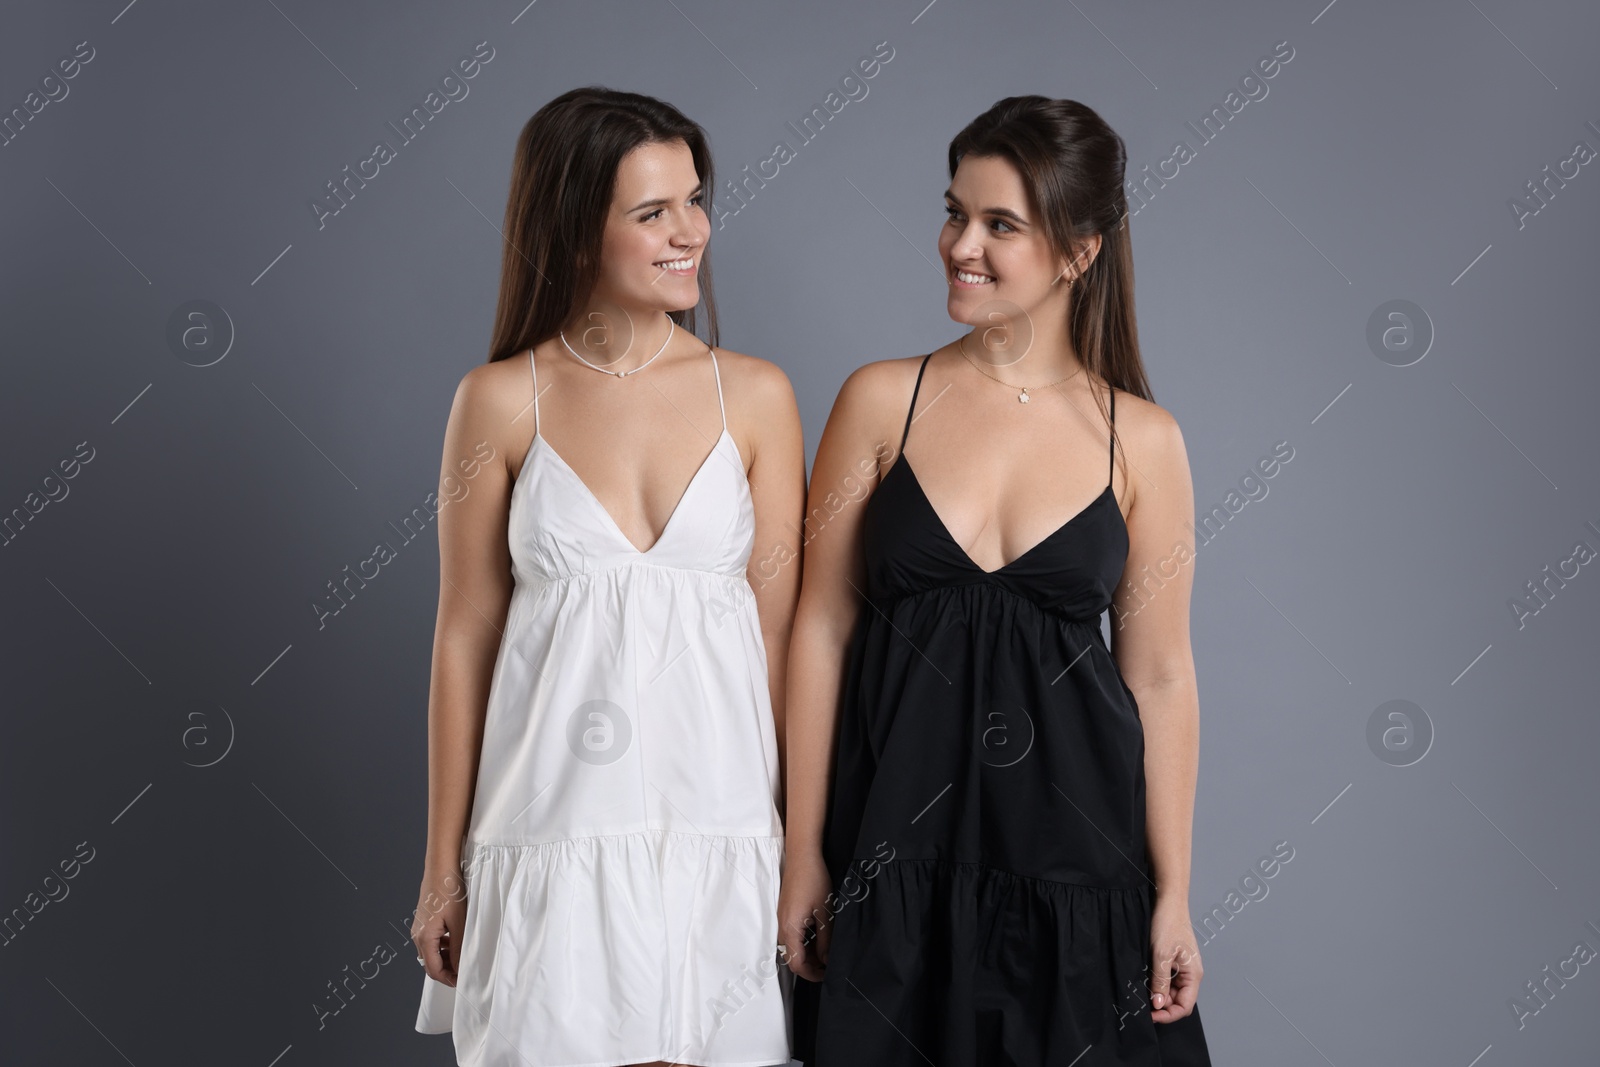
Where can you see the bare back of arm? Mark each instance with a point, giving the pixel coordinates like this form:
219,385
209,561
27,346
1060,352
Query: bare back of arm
857,445
475,585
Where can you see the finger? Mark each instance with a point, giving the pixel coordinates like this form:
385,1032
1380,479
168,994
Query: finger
824,943
795,958
804,964
428,949
1186,988
433,960
1173,1010
1160,980
814,947
807,968
798,957
447,956
420,946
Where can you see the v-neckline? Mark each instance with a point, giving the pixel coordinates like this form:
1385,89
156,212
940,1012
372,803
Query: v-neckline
616,528
966,557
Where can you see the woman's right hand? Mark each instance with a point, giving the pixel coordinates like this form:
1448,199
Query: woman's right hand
804,904
436,928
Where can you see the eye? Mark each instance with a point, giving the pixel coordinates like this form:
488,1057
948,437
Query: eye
651,215
1002,222
698,198
953,214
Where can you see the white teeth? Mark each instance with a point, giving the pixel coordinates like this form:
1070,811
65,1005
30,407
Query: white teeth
676,264
973,279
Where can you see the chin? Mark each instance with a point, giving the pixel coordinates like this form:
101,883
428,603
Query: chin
648,303
961,305
688,303
670,295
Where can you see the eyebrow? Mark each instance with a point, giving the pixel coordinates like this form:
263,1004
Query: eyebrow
1003,212
661,201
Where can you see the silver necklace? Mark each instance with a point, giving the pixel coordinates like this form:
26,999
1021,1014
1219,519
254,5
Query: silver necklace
621,373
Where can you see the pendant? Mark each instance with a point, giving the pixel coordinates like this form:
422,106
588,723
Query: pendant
1022,397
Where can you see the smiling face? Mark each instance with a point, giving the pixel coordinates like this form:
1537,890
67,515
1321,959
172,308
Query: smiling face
656,232
993,244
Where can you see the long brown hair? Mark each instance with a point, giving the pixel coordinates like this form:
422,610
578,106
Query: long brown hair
562,181
1072,164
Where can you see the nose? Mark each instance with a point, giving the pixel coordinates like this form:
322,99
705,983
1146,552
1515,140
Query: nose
968,246
685,235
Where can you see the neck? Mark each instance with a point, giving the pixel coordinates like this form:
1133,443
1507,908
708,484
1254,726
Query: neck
1018,358
616,338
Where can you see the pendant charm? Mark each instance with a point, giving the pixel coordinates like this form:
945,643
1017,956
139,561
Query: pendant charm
1022,397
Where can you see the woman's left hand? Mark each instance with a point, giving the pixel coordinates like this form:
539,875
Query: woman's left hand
1173,949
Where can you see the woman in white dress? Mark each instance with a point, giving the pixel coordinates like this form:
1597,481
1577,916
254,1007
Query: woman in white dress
605,833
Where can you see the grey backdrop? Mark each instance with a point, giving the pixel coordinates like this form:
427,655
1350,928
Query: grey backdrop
238,792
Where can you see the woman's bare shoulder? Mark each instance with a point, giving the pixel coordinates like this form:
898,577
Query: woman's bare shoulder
1146,426
490,403
869,413
879,387
1152,442
761,385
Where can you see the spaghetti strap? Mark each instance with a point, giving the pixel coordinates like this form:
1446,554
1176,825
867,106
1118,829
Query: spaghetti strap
915,389
1112,474
718,372
535,374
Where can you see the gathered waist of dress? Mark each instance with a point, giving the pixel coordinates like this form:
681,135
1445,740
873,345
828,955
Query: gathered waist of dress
635,571
471,843
980,589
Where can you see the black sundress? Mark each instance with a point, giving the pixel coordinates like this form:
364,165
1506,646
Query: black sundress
986,821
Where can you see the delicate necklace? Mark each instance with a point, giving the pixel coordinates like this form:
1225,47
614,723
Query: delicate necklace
621,373
1022,397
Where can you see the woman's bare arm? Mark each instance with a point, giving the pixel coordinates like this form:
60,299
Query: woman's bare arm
770,419
856,447
1150,638
488,417
1150,634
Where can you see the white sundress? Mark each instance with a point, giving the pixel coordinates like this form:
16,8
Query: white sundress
623,855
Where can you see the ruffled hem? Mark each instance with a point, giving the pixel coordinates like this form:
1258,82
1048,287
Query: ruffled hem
615,949
961,963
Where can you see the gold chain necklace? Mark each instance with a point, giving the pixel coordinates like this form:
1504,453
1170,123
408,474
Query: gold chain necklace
1022,397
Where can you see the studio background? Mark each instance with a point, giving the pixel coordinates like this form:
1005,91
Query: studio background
236,780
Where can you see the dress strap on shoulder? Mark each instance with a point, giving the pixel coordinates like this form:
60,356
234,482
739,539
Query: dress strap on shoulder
535,375
914,391
715,370
1112,473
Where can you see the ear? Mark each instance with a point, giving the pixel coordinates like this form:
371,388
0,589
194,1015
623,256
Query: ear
1074,266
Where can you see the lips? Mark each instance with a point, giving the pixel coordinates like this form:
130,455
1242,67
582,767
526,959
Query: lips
967,277
677,264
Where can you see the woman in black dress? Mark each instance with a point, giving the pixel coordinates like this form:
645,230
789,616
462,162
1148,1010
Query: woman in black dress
974,871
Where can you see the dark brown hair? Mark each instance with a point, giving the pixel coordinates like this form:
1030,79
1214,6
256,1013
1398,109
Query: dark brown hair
1072,164
562,181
